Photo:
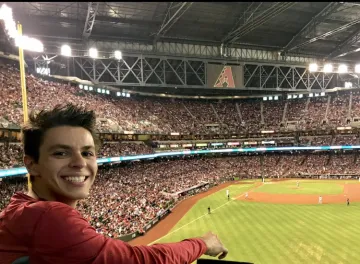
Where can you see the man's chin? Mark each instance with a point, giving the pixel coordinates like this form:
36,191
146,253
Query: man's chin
75,196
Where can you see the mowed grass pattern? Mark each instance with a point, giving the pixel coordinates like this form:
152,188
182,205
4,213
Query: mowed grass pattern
289,187
275,233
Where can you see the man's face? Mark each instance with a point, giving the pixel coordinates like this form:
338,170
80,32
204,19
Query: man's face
67,164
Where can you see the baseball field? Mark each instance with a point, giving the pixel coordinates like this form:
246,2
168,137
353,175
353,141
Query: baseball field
279,222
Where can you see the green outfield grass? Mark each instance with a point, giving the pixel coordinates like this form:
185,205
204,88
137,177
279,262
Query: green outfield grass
305,187
275,233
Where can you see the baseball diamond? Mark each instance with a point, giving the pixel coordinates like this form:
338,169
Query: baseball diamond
267,220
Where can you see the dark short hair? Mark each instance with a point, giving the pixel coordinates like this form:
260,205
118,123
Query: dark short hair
62,115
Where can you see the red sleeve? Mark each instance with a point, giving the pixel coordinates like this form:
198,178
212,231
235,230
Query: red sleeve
63,236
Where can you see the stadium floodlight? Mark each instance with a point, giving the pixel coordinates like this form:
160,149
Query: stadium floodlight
295,96
91,88
118,54
342,68
86,88
301,95
103,91
328,68
81,86
264,98
270,98
127,95
313,67
107,92
357,68
276,97
311,95
322,93
98,90
9,23
289,96
118,93
23,42
93,53
317,95
348,84
66,50
30,44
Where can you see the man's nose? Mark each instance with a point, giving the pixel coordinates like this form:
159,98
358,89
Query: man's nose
77,160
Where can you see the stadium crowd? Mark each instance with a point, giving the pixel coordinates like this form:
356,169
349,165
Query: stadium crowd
126,197
162,115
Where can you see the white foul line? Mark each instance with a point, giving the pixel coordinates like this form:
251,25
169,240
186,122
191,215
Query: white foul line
193,220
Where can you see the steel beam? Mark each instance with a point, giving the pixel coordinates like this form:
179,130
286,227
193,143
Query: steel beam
90,18
166,72
247,15
345,48
284,78
327,34
311,26
255,21
139,70
173,13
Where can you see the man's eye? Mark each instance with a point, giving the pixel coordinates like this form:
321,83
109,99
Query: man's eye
88,154
59,153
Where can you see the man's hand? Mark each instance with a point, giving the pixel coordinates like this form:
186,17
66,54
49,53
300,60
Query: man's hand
214,246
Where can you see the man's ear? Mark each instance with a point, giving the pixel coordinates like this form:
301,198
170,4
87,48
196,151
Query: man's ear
31,166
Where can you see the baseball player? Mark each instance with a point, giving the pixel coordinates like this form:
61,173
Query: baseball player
320,199
228,194
246,195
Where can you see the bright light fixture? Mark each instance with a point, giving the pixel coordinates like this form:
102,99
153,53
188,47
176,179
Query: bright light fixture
23,42
357,68
118,54
313,67
66,50
93,53
348,84
342,68
328,68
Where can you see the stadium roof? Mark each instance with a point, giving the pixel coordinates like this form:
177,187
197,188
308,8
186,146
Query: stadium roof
322,29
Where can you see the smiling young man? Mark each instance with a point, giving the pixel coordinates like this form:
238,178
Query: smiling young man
60,155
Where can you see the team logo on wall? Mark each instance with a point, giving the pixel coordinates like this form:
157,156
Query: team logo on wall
225,77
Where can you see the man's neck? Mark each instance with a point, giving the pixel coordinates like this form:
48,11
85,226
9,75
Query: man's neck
38,196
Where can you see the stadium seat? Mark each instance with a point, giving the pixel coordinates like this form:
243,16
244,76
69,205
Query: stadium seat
22,260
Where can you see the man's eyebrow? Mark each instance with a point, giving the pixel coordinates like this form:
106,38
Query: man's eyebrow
62,146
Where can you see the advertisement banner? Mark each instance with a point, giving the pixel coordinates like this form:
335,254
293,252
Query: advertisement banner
225,76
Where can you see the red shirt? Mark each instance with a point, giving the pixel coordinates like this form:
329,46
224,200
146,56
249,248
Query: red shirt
53,232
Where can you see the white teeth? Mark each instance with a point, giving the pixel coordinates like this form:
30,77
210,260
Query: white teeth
75,179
